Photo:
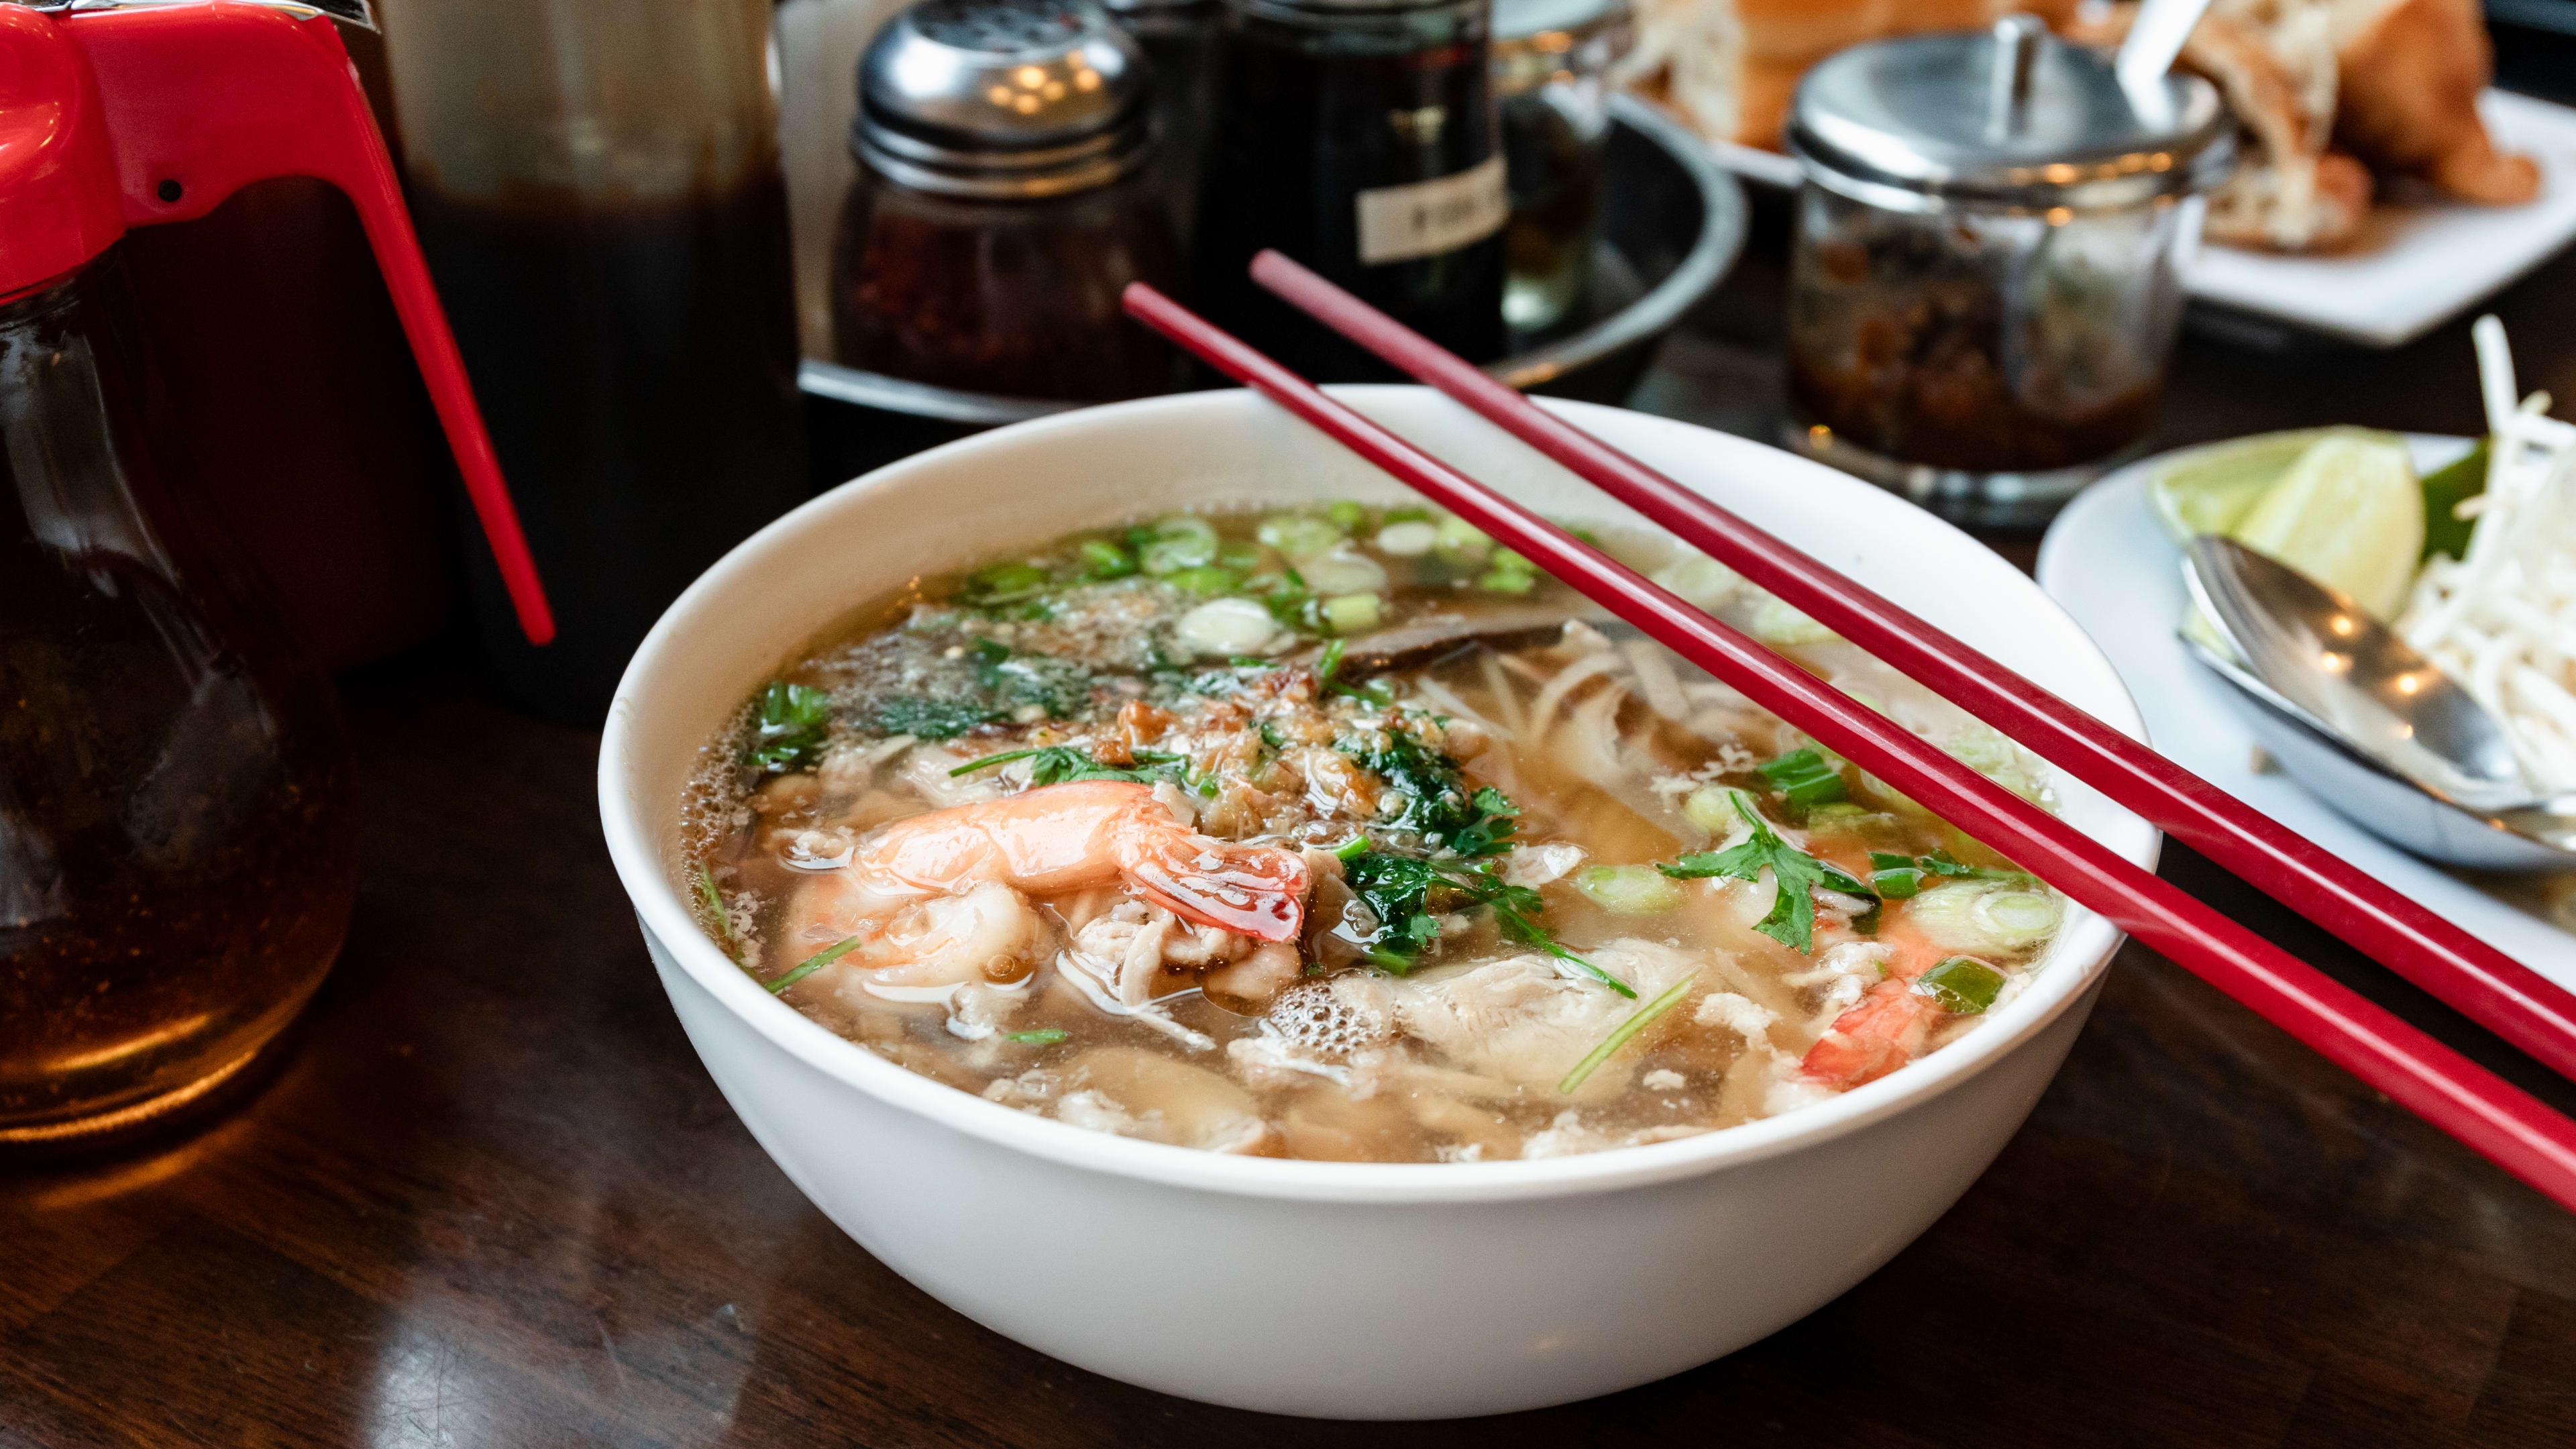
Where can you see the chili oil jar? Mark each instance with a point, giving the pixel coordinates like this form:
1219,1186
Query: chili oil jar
1985,282
1004,199
1358,137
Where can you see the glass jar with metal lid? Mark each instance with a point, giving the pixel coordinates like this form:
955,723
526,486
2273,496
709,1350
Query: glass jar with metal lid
1003,202
1552,61
1359,137
1985,282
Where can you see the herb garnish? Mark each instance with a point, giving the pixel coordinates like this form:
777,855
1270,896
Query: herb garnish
1409,894
1961,984
1438,805
814,963
790,727
714,899
1792,920
929,719
1806,777
1637,1021
1043,1036
1064,764
1897,877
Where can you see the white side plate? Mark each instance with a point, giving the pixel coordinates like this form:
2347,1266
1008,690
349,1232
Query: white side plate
2112,567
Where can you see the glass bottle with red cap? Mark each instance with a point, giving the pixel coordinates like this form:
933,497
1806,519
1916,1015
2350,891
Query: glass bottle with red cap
177,837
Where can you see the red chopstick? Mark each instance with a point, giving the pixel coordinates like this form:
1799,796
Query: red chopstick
2495,1119
2475,979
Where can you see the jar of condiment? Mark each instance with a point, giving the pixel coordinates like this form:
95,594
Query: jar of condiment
1004,201
1985,283
597,186
1358,137
1552,60
1179,41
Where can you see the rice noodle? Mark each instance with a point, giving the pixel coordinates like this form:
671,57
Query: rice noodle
1447,701
1507,701
2501,621
1550,699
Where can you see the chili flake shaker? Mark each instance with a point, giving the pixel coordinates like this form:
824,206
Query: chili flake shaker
1985,283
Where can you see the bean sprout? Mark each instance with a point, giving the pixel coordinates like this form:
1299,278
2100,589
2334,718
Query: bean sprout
2501,621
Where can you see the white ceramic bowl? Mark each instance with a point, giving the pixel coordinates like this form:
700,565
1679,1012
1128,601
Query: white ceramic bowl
1341,1289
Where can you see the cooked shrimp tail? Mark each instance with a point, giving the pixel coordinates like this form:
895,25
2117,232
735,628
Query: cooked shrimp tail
1063,838
1257,891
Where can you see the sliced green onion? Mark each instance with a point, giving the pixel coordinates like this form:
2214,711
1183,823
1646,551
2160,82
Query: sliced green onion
1351,849
1205,579
1712,808
1299,535
1331,663
1004,580
1894,877
1806,777
1628,890
1458,536
1962,984
814,963
1353,613
1043,1036
1102,559
1637,1021
1176,543
716,907
1506,581
1004,758
1345,514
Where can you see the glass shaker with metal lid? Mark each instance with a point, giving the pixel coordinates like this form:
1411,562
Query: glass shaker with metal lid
1002,204
1985,282
1359,137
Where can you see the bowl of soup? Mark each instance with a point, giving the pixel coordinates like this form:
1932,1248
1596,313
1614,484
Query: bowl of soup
1203,914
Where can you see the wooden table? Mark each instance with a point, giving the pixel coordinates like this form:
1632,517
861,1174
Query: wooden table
486,1195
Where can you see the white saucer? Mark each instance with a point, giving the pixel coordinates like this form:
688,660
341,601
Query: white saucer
2112,567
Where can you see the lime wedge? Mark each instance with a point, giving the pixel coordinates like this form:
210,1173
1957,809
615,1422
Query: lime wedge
2210,489
2348,514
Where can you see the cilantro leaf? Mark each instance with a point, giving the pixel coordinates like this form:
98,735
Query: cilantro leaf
1439,806
1792,919
1408,895
929,719
789,728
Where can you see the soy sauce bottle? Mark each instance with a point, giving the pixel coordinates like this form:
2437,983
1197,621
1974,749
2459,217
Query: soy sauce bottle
1358,137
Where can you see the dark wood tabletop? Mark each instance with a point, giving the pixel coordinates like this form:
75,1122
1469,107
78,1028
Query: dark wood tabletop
484,1194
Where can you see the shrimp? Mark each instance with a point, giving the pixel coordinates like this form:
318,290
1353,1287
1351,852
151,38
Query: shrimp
937,898
1886,1028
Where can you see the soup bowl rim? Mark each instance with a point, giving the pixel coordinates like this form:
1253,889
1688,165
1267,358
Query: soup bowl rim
2074,963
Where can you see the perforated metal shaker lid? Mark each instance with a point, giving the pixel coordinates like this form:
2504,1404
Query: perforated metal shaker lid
1004,98
2010,117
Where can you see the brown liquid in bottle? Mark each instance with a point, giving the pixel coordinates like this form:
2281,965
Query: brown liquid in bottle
636,364
177,836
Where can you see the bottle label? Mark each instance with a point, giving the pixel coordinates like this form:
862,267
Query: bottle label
1426,218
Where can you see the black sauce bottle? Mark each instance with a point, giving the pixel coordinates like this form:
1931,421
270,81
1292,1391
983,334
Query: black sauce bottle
1360,139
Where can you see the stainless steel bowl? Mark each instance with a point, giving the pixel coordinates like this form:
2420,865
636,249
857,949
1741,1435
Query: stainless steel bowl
1672,224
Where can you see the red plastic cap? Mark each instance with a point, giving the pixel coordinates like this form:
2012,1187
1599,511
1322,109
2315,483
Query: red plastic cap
58,191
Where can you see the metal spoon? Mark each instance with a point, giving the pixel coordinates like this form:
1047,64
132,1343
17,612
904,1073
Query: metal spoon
2369,725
